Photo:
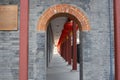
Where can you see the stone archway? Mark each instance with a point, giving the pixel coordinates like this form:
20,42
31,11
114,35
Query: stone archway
63,10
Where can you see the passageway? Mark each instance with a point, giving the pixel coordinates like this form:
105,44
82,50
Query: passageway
60,70
62,53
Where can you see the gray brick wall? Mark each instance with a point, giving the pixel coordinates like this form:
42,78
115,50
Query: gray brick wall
95,43
9,50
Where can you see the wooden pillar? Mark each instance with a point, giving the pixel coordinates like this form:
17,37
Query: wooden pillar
67,54
117,38
62,50
69,49
74,47
65,50
23,71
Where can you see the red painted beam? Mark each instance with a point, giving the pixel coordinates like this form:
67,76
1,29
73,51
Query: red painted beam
74,47
23,40
117,38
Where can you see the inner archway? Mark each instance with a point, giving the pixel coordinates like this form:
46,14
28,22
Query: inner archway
63,10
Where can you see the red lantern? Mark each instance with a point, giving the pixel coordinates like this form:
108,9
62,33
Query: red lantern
68,26
63,36
65,32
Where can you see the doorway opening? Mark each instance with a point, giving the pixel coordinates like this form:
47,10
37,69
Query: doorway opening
53,23
60,63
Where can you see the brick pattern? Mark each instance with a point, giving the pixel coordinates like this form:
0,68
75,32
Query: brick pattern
66,9
9,49
95,43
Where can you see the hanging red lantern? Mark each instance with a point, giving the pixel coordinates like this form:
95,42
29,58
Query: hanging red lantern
68,25
65,32
63,36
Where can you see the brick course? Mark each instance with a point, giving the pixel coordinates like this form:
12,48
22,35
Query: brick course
95,43
79,16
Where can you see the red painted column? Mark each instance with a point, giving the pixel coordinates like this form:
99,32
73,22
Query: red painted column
117,38
65,48
69,49
67,54
62,50
74,48
23,40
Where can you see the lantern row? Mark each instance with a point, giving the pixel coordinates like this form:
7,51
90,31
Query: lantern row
67,46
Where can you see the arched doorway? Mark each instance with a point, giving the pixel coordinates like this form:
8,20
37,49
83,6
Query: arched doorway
63,10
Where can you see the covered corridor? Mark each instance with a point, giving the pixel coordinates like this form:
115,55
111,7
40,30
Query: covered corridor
60,70
63,50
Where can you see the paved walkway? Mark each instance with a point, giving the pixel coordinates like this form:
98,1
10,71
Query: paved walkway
59,70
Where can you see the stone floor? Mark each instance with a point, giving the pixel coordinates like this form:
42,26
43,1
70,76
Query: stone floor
59,70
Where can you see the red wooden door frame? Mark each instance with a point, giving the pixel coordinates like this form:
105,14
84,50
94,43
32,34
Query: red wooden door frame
23,71
117,38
